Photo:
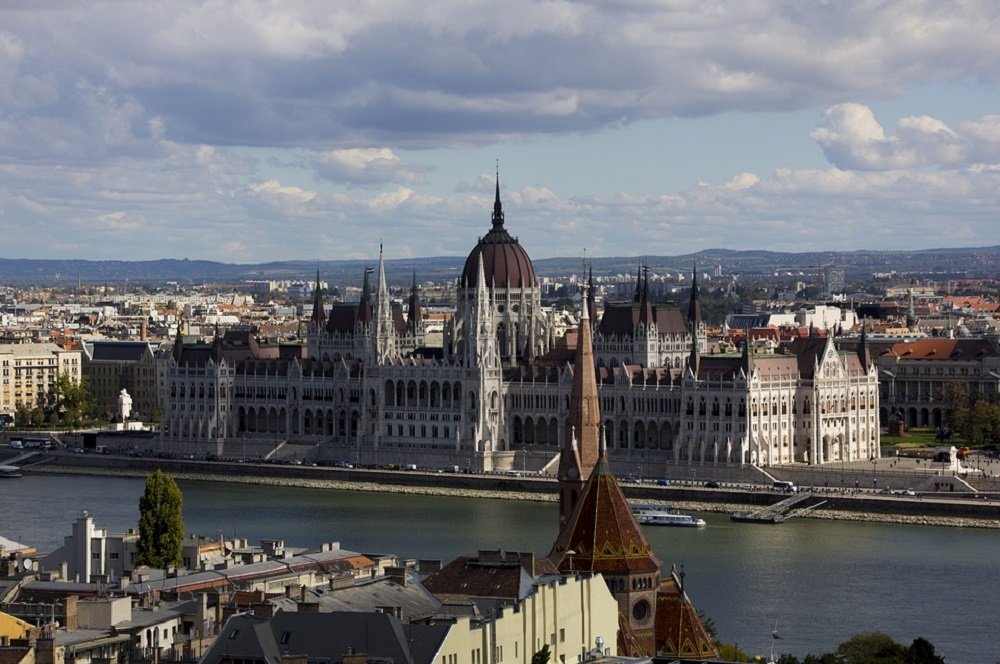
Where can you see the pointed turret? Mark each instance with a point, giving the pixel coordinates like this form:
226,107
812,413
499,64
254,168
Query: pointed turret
178,349
318,317
864,355
497,207
638,285
414,314
385,335
694,305
694,357
580,449
646,316
591,295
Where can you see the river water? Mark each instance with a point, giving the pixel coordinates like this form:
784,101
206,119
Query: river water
818,582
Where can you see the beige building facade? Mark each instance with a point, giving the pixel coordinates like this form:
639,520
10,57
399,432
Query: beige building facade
29,371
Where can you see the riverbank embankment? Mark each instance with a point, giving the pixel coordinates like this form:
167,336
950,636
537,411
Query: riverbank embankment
838,506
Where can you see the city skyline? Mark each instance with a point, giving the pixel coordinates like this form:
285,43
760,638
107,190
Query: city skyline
246,132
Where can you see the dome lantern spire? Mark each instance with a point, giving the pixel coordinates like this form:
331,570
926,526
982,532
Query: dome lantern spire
497,207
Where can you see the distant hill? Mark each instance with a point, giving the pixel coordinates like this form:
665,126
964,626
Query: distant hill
978,262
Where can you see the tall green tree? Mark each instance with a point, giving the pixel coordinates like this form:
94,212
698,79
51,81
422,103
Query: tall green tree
161,523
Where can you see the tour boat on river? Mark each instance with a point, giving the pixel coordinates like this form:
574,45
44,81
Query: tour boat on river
10,471
652,516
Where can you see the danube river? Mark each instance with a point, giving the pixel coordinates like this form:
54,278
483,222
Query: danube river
818,581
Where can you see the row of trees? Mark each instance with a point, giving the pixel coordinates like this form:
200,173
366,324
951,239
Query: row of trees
873,648
67,403
976,420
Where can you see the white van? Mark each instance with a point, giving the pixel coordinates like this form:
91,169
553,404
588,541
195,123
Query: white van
787,487
16,444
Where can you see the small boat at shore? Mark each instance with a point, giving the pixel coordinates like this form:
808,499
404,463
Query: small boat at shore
10,471
648,516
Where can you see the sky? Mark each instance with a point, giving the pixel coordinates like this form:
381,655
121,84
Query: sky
243,131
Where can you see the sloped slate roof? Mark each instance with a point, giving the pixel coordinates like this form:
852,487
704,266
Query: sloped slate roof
602,532
467,577
119,351
326,636
621,319
944,349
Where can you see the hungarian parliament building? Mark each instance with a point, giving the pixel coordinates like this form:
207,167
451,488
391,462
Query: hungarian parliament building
493,395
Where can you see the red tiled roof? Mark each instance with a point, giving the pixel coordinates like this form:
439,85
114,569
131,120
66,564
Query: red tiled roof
679,631
602,532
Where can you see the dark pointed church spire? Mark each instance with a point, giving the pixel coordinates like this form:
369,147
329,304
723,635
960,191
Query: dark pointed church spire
864,356
178,349
646,315
414,315
638,285
694,306
497,207
318,317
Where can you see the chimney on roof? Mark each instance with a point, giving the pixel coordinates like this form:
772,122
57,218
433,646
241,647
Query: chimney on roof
428,566
351,657
263,610
397,574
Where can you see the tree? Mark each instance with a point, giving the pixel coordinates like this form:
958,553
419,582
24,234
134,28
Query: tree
542,656
922,652
161,523
871,648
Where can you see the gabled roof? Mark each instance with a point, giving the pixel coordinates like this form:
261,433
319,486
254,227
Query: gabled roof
602,533
468,577
808,352
622,319
345,317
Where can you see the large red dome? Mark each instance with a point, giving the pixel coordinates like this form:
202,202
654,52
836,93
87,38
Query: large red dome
505,262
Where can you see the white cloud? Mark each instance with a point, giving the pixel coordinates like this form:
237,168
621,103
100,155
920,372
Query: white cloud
379,72
852,138
365,166
205,125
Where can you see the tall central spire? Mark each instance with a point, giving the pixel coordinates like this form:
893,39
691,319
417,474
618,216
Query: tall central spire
497,207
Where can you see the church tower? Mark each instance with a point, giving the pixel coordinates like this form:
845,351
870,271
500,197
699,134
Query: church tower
603,536
580,449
